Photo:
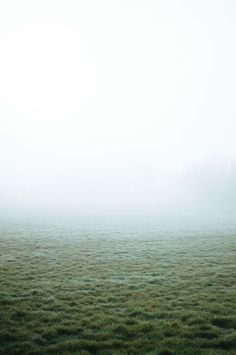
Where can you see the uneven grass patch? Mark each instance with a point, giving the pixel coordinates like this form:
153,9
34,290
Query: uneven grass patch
108,290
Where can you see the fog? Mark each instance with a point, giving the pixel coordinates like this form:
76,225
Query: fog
118,107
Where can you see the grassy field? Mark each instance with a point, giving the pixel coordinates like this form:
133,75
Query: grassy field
117,289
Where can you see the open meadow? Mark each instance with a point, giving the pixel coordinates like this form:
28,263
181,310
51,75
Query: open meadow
103,288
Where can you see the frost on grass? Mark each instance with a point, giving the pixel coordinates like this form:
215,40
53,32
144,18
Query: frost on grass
117,292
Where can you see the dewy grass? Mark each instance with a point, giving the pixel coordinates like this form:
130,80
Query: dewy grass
111,291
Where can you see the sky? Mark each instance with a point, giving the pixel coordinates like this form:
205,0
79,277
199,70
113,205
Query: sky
117,106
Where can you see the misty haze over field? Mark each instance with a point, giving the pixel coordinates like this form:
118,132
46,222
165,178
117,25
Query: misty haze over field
118,107
118,177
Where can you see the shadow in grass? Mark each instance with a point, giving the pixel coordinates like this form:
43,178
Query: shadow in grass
142,315
122,331
7,337
208,334
224,322
18,315
76,345
228,343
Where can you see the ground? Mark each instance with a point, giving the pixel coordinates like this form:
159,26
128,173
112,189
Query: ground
117,290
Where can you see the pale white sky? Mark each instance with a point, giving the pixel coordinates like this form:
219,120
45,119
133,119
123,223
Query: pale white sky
115,105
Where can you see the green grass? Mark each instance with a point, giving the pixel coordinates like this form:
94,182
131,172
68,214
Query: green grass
117,291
